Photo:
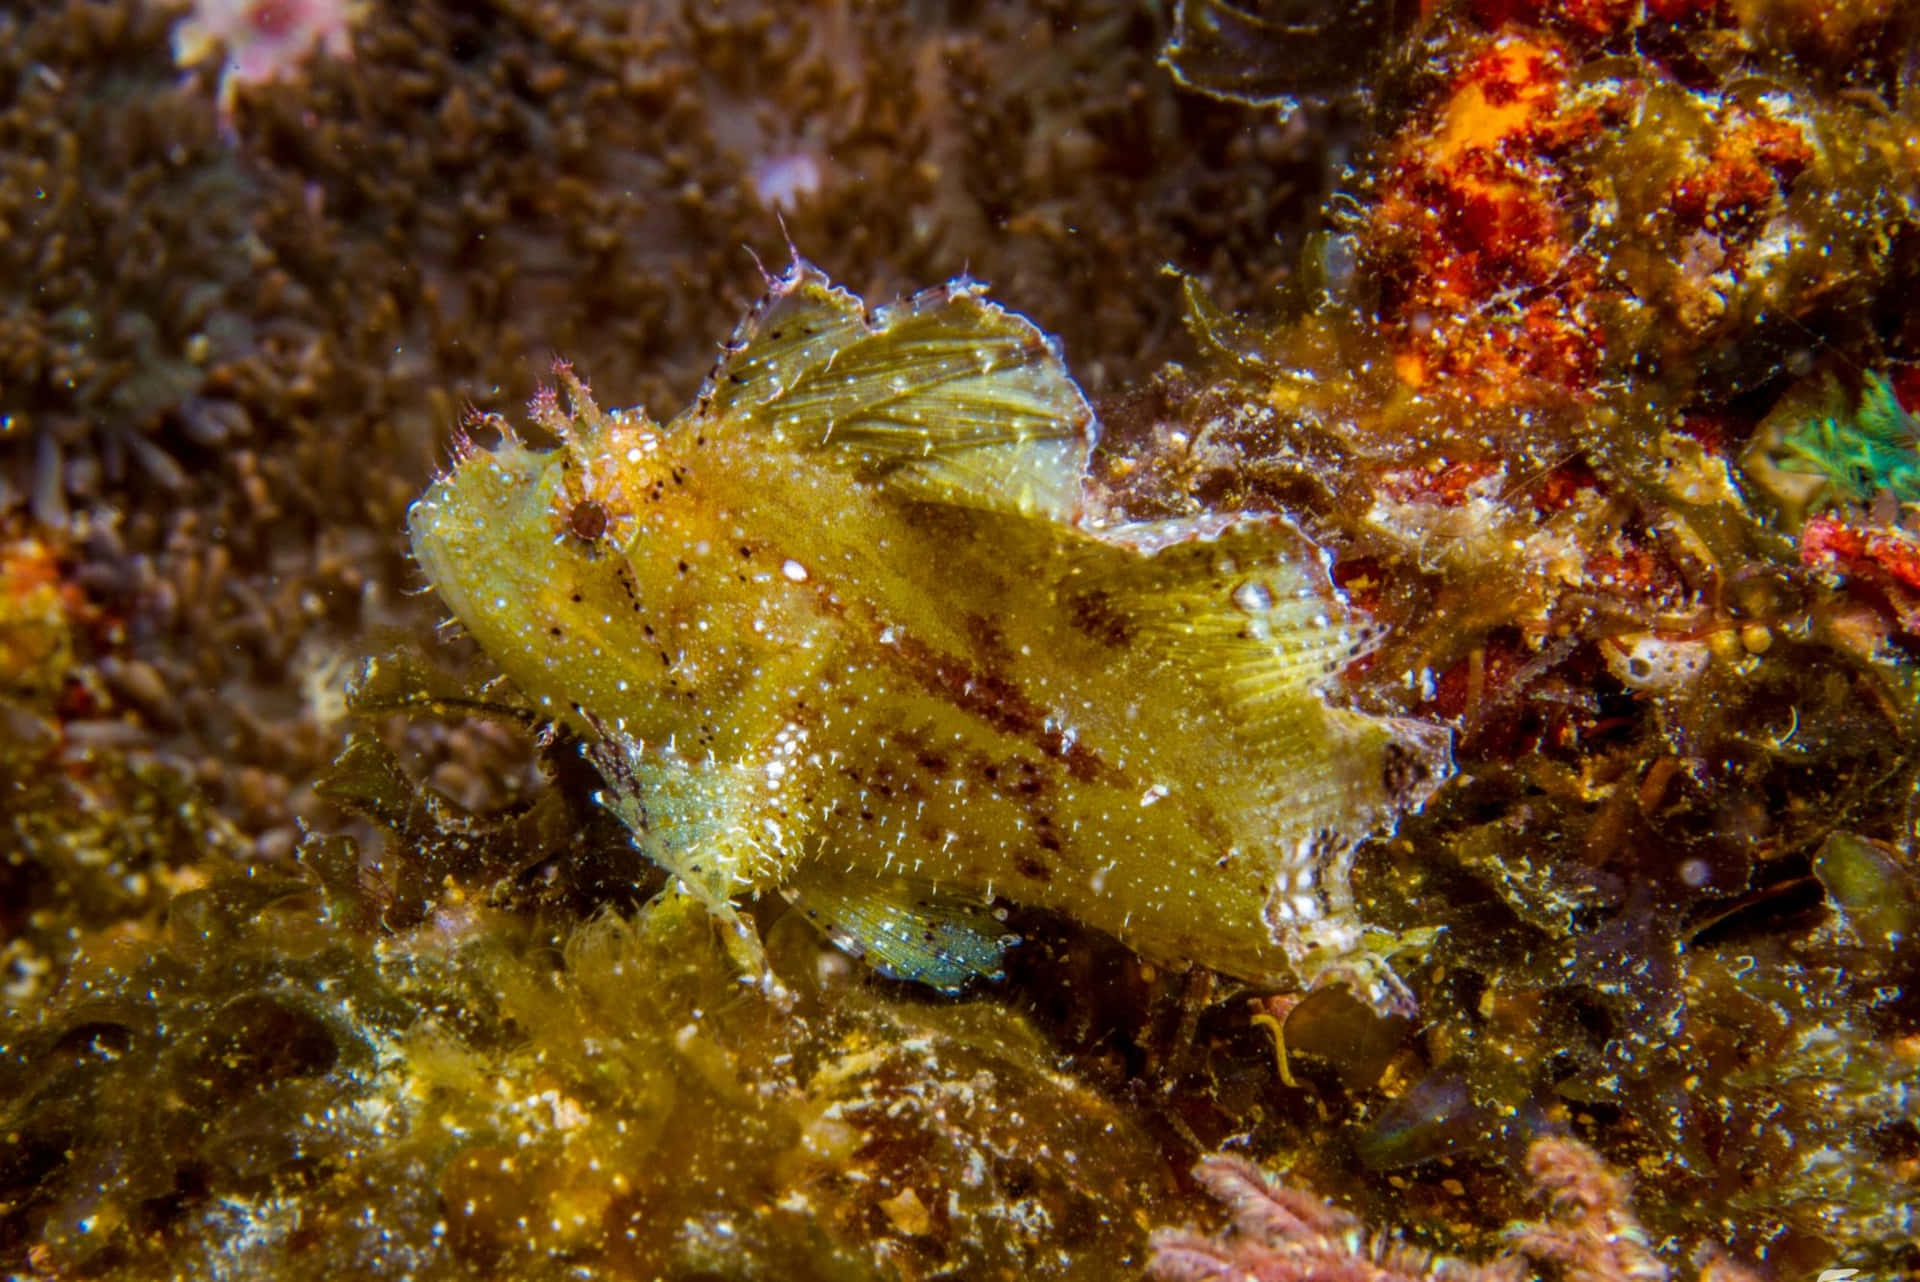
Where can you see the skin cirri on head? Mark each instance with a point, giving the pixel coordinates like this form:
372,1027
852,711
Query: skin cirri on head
841,629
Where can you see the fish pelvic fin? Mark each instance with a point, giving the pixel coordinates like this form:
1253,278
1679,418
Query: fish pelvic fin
907,929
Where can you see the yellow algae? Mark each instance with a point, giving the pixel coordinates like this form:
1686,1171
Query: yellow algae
842,629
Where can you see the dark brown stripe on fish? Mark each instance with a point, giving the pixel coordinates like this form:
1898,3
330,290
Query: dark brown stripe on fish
985,695
995,700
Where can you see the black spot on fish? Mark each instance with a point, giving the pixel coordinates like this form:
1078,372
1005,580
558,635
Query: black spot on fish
1093,613
624,577
1032,868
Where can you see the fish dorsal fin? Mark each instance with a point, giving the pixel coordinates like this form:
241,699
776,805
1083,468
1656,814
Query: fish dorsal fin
1244,604
950,396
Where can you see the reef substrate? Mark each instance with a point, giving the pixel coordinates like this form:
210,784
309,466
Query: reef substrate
1578,333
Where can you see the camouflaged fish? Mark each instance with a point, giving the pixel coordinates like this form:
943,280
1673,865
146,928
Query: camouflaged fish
843,630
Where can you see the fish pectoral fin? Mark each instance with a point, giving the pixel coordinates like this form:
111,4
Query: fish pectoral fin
946,393
701,822
696,822
906,930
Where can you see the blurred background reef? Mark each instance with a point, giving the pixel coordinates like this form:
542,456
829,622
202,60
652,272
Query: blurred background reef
1579,331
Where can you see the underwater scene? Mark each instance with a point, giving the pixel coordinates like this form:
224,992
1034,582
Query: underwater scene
1197,640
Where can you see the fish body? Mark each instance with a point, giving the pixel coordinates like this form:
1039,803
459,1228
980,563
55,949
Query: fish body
843,630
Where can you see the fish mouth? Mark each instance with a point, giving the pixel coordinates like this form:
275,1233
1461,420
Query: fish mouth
445,541
459,530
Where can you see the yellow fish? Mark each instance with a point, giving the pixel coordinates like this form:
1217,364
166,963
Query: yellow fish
843,629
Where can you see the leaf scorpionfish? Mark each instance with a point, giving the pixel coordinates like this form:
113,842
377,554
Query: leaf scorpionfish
844,629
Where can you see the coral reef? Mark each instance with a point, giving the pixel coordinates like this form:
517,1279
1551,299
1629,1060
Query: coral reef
1576,333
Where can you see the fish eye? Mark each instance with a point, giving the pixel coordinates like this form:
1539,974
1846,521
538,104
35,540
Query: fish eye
587,521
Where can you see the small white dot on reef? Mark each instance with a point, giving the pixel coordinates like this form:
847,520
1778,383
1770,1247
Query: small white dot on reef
1643,661
784,180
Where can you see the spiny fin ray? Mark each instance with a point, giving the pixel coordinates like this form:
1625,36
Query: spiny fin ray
910,390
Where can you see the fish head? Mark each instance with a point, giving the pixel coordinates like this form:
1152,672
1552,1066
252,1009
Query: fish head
568,565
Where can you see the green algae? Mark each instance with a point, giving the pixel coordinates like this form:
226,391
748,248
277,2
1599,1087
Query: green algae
1874,450
447,1069
542,1102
